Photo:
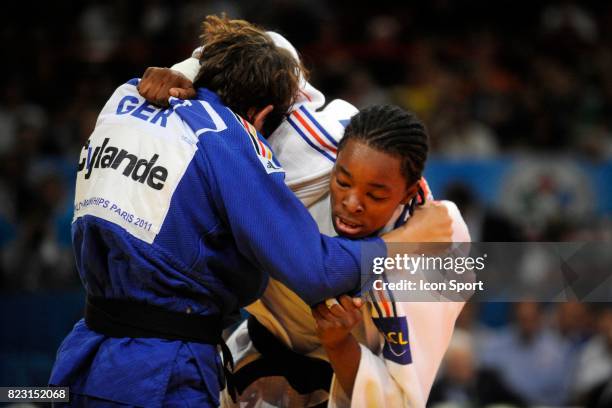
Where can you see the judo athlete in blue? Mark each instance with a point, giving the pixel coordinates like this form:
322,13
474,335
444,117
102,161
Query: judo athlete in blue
180,216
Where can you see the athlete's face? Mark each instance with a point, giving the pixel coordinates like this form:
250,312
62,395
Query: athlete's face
366,188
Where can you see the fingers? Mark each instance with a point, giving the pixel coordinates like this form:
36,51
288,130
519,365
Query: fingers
154,90
184,83
156,84
159,94
347,303
351,313
148,72
346,313
143,84
317,316
346,306
329,314
356,302
183,93
324,319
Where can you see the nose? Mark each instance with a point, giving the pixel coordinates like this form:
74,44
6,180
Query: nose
352,204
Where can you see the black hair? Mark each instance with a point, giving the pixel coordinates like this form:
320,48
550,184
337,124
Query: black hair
392,130
395,131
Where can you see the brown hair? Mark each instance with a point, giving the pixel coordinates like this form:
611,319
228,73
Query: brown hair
242,65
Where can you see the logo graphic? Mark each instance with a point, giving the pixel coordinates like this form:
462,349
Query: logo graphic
264,153
397,344
140,170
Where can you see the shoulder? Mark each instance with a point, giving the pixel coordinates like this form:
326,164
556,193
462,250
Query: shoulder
323,127
209,119
222,133
125,92
205,114
307,141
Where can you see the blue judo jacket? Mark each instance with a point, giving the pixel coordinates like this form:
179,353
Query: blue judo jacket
184,208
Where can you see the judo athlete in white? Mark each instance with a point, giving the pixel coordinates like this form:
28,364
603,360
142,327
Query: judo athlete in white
267,348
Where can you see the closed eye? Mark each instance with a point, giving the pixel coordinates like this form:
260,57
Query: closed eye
376,198
342,184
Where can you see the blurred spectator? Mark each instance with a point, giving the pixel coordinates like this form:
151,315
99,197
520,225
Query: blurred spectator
483,88
41,256
100,29
462,383
574,324
361,90
16,113
458,135
469,322
593,377
533,361
484,224
540,95
567,17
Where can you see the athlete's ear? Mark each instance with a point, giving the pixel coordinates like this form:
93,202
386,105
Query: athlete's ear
259,117
410,193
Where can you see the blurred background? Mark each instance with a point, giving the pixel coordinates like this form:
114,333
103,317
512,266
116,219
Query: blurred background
517,98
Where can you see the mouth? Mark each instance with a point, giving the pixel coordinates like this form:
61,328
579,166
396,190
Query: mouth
346,226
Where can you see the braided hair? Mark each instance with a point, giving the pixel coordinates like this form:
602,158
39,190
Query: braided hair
394,131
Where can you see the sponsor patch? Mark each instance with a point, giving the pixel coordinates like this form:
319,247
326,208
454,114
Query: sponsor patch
397,343
127,176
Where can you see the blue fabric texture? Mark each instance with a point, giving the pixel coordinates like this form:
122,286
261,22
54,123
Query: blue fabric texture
230,224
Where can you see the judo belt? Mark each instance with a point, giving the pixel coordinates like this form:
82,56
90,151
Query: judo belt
304,374
136,319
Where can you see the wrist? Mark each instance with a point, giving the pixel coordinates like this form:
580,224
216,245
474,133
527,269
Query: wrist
400,235
340,344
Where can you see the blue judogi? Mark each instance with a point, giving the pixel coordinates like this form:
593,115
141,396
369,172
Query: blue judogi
184,208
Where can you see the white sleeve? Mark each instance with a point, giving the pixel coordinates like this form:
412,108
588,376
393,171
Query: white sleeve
306,144
308,94
189,67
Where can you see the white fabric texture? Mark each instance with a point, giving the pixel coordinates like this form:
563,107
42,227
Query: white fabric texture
379,382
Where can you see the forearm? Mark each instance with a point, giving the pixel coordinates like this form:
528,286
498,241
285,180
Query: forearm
344,358
314,266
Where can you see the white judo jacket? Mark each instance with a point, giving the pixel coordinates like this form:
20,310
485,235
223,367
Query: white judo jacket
402,343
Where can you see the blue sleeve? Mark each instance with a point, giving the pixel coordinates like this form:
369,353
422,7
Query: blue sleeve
273,229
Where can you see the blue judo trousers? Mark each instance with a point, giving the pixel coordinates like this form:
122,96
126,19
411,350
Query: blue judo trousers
184,208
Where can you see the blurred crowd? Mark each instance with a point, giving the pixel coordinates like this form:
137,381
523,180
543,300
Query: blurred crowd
490,79
546,356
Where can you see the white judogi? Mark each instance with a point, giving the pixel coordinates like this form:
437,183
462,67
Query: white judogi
305,144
